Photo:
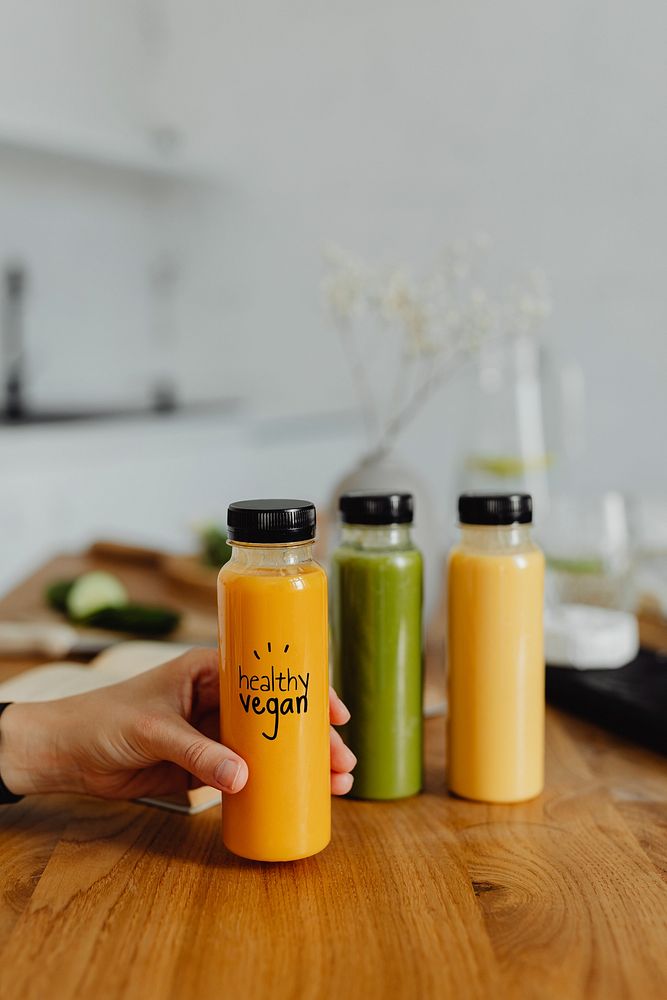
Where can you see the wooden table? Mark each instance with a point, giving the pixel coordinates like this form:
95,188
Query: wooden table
431,897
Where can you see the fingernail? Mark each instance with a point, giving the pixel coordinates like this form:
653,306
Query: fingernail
227,773
351,757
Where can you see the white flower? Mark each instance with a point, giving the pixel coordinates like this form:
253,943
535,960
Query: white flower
441,320
397,296
344,287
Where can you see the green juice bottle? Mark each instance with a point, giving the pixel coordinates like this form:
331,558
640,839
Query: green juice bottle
377,642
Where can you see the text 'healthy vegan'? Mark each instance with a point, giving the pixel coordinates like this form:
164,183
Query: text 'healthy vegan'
293,685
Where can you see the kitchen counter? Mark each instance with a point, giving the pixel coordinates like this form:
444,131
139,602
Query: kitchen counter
562,897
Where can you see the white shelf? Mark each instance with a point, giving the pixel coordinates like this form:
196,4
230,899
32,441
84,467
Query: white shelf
103,150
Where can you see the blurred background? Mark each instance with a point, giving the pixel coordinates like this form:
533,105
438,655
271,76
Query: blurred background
169,176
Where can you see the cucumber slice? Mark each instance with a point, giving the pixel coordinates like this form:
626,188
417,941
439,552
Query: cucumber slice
57,593
138,619
94,591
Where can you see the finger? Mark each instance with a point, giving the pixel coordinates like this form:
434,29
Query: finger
341,783
171,738
200,667
201,663
342,758
338,712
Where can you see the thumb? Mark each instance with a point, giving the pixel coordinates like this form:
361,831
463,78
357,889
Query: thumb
214,764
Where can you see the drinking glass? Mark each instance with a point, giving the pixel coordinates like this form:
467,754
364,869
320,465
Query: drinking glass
587,548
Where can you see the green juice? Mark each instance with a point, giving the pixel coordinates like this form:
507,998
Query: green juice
376,619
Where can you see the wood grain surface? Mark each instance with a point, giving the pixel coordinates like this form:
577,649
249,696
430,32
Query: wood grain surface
562,897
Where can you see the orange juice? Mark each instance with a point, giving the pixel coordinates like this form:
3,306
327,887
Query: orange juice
274,694
495,652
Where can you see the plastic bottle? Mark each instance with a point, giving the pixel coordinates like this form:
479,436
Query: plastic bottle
495,652
377,599
274,696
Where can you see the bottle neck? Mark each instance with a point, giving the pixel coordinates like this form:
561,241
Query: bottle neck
251,555
377,536
496,538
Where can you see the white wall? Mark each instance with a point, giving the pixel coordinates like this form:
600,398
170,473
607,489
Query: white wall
79,63
73,68
389,127
394,127
86,219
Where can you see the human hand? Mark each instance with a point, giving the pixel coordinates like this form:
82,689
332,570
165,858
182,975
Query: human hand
143,737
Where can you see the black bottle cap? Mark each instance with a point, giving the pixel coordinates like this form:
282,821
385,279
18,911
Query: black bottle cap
271,521
362,507
495,508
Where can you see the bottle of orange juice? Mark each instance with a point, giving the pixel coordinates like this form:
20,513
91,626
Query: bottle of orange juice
495,652
274,681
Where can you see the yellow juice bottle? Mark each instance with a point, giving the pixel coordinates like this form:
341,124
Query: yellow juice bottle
495,652
274,681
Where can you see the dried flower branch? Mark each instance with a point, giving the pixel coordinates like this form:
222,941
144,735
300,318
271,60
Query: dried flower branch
414,335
